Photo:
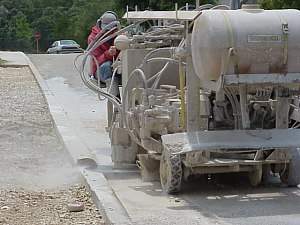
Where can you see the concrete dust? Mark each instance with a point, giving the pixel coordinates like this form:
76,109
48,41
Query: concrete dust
59,173
29,143
38,178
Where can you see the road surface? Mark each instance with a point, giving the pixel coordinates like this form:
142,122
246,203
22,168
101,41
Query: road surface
222,199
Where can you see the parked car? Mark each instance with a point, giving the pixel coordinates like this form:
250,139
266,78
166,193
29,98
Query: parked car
64,46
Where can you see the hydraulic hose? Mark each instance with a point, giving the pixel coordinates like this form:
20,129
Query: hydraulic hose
153,52
125,95
102,32
88,52
182,99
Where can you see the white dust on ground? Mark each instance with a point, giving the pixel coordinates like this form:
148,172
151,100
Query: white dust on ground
32,154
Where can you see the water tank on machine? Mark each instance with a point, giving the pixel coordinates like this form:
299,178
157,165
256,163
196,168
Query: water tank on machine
245,41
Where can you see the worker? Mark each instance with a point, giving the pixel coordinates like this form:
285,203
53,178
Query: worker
105,53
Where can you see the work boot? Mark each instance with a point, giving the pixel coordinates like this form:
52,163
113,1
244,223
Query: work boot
112,87
97,82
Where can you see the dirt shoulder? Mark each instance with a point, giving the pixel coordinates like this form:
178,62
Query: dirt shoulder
38,179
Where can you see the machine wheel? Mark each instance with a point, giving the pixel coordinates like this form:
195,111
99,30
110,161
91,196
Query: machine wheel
255,176
170,173
291,174
266,172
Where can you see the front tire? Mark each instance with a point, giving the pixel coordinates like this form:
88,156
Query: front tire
170,172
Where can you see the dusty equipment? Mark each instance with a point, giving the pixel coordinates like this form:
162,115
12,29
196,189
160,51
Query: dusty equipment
210,91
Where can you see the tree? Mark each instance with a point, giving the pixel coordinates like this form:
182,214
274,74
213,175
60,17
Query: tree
84,15
44,24
73,19
23,30
280,4
61,28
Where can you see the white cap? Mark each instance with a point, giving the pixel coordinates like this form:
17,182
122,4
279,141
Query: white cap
122,42
107,18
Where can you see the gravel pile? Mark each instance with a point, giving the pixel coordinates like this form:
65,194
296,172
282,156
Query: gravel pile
45,207
38,182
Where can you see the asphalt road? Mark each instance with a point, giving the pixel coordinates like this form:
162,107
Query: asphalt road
223,199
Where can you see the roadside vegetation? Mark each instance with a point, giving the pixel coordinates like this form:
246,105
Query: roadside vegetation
72,19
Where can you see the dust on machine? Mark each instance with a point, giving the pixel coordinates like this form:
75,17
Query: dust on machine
205,89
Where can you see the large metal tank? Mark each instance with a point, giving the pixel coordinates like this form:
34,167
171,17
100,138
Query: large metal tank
263,41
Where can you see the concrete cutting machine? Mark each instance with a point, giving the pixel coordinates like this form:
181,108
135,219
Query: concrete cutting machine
212,90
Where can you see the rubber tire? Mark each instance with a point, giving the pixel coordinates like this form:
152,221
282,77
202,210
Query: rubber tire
255,177
291,176
170,171
266,173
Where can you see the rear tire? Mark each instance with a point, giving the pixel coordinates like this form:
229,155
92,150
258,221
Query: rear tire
291,174
255,176
266,173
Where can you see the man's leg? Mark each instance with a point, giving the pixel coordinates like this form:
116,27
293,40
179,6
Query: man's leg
112,85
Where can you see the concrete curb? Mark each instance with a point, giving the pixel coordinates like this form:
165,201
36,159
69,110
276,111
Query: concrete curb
110,207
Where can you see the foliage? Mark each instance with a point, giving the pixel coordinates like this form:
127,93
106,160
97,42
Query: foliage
279,4
53,19
73,19
23,30
85,16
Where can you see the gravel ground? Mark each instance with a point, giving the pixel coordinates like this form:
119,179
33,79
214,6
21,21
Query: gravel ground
20,207
38,180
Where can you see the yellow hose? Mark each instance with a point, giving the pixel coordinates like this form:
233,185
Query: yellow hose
181,79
